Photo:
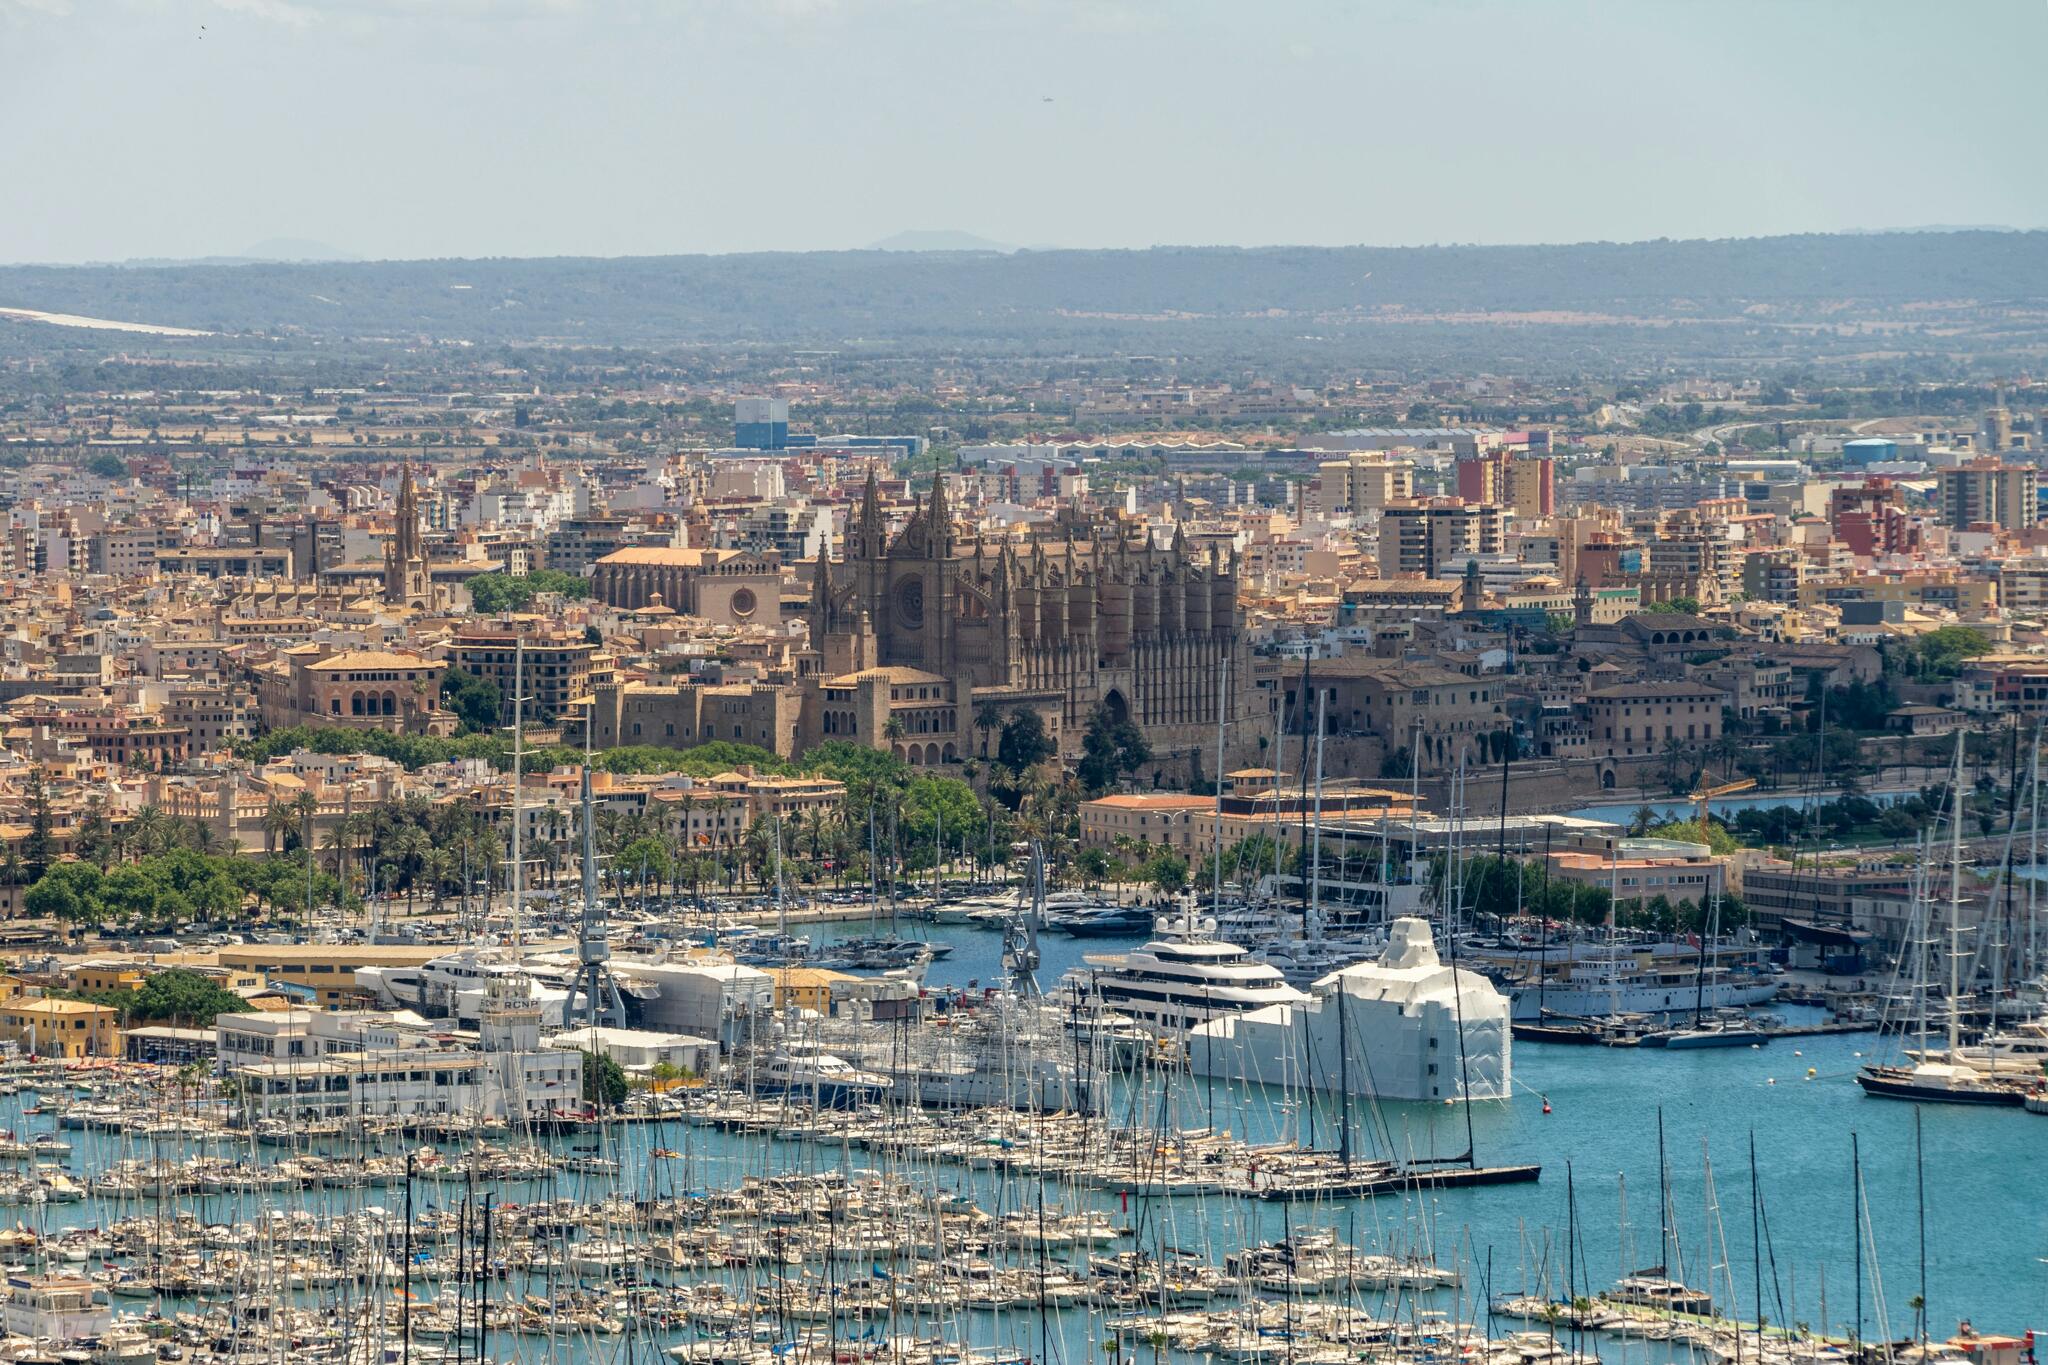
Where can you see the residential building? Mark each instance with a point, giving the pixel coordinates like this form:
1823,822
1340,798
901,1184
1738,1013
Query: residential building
1989,492
53,1027
1417,537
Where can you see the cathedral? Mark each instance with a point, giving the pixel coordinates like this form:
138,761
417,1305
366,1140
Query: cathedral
926,630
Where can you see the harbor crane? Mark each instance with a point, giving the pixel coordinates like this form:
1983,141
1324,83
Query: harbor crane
1703,794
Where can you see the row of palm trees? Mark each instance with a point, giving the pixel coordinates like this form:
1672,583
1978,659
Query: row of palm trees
438,850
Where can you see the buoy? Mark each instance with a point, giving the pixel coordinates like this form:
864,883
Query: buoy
1770,1080
1797,1053
1811,1072
1756,1047
1546,1106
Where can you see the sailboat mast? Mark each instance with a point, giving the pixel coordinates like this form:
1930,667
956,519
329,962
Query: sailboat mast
1216,840
518,781
2033,961
1663,1203
1955,907
1312,926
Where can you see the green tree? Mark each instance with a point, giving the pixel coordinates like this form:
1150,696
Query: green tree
39,845
604,1081
183,997
474,701
1024,743
1109,749
68,891
1167,871
1940,654
988,718
493,593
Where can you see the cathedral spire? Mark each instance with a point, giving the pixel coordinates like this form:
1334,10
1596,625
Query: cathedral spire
871,518
821,580
939,521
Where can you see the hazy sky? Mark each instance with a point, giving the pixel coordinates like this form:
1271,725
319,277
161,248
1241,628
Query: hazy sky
392,128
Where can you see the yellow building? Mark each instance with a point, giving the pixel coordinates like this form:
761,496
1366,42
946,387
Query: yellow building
61,1028
327,970
105,975
808,988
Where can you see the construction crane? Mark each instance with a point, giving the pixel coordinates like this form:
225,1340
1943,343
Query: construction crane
1704,794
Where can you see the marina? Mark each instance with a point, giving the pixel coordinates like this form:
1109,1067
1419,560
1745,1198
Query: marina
702,1223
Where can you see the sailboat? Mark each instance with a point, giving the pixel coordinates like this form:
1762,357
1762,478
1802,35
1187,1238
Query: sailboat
1709,1030
1941,1077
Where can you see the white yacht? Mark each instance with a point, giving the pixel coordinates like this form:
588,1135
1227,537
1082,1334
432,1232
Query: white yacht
1174,983
1613,980
808,1073
1405,1026
2019,1049
454,985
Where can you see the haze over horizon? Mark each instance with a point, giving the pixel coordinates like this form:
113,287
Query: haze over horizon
394,129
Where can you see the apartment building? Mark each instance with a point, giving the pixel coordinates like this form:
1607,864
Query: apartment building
1416,538
558,667
1989,492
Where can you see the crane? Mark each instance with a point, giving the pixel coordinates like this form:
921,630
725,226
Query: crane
1704,794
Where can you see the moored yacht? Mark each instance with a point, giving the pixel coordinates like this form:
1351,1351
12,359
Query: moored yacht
1173,983
807,1073
1613,980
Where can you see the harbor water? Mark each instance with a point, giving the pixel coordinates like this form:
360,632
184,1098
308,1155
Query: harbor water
1985,1171
1589,1116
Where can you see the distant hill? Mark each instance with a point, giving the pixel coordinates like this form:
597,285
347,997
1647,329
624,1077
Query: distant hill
269,251
1534,306
295,249
940,239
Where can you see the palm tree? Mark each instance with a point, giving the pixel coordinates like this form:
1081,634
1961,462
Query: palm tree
304,807
438,867
988,718
277,825
411,848
149,831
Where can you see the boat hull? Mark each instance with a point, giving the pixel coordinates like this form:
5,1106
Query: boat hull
1901,1088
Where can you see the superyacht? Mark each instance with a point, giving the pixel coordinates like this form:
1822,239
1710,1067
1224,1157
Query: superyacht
1183,978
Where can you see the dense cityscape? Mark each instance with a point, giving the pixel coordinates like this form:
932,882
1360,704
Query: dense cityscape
597,775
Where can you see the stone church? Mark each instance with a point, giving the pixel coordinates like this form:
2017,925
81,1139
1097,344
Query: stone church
926,628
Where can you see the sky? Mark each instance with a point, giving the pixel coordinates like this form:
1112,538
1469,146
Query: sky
431,128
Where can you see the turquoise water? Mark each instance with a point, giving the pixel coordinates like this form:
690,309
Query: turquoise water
1622,813
1986,1172
1986,1217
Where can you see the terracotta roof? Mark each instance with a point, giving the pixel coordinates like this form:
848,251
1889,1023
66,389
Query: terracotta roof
895,673
1162,802
373,658
661,556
